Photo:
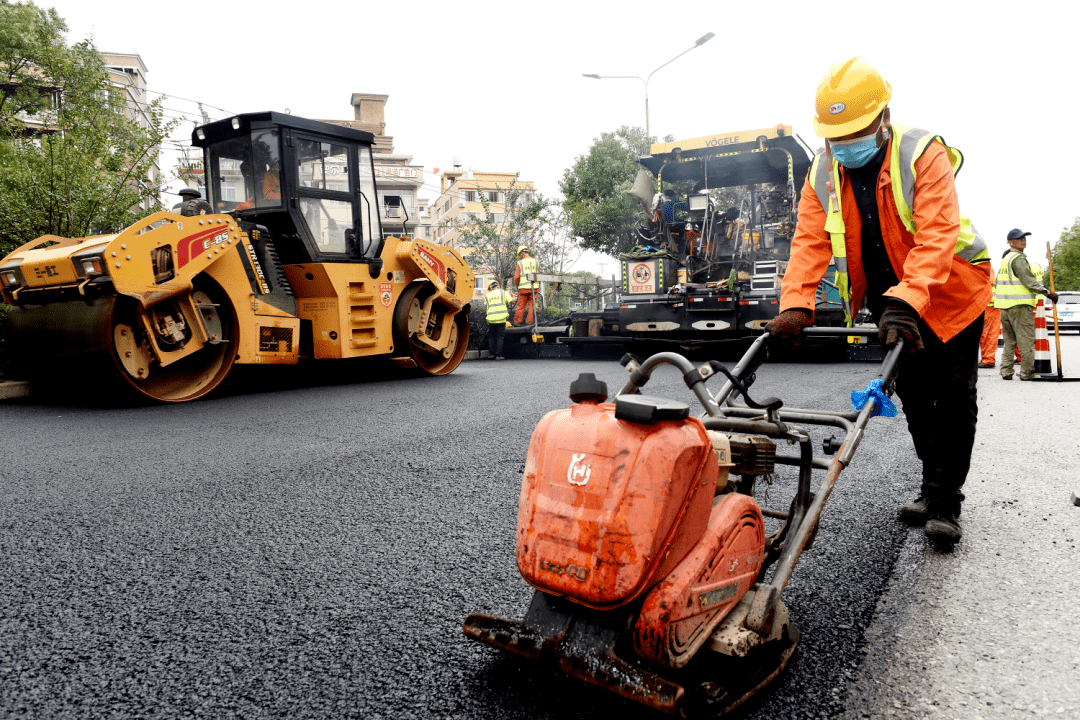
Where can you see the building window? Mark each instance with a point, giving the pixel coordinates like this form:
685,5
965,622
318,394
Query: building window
446,207
468,195
494,196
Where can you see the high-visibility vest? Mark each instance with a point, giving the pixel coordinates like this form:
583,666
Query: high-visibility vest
496,306
908,145
528,266
1008,290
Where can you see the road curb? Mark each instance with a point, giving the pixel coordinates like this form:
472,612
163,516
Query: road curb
11,389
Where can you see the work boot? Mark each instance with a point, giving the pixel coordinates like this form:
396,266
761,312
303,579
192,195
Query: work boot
1006,377
1033,377
987,365
943,528
915,513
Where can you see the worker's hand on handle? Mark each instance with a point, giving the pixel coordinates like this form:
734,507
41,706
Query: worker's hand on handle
900,321
786,327
1053,296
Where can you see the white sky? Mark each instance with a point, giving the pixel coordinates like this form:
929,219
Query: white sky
499,84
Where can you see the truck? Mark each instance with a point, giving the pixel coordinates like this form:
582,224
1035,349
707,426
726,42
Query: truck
284,259
708,268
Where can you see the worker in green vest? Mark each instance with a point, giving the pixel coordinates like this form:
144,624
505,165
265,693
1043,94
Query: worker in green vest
1016,291
880,202
527,267
498,313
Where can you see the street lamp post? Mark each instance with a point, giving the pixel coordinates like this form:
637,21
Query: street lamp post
697,43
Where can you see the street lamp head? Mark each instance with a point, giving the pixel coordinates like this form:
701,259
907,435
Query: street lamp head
590,75
704,39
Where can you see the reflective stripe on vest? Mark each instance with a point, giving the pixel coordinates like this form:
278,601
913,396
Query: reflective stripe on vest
1008,290
496,307
908,145
528,267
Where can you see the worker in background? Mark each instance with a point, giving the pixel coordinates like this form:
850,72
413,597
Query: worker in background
497,301
882,200
526,267
1019,283
991,330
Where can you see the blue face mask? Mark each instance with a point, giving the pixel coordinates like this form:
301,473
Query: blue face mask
855,153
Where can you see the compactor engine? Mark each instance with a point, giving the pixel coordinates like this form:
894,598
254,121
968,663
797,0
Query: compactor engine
285,258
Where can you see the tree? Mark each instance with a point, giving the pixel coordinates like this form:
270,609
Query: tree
72,160
556,250
1066,254
601,212
492,244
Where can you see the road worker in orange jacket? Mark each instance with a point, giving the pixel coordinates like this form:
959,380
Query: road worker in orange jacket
888,213
989,341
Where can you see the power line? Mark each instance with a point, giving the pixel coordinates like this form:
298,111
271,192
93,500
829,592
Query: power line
197,102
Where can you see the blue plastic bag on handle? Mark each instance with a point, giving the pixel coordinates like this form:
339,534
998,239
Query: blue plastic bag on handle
882,404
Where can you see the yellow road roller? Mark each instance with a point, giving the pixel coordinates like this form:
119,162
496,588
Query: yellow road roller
285,258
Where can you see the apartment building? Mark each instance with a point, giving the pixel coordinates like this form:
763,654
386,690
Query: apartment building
127,73
462,201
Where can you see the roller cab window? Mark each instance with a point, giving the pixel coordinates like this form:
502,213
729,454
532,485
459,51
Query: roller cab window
335,187
245,173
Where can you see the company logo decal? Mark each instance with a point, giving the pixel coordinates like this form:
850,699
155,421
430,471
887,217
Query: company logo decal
578,474
837,108
433,262
573,571
191,246
386,293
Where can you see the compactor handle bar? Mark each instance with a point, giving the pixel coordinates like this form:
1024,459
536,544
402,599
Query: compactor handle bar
751,359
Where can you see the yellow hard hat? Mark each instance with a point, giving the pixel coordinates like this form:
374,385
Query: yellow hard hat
849,97
492,284
523,248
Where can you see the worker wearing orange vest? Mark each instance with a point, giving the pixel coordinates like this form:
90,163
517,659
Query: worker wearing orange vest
881,202
526,286
988,341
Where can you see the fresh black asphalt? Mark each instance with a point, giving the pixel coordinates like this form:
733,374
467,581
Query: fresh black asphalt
296,551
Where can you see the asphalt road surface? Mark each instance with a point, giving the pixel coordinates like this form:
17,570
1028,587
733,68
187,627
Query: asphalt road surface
300,551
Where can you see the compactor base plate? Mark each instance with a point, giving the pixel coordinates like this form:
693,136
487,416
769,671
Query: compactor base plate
586,644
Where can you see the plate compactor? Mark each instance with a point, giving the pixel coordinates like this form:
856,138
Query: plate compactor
648,552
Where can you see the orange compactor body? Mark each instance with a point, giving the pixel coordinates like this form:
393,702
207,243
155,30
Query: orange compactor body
620,503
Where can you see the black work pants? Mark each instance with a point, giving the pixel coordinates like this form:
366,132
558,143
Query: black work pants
937,390
496,334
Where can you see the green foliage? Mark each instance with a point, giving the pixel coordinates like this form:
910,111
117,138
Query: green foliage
601,212
1066,254
493,246
83,166
31,46
557,298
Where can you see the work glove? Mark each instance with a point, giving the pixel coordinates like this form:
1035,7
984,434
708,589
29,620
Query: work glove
1053,296
786,328
900,321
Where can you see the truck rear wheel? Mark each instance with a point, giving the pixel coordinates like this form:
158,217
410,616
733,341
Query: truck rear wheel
407,316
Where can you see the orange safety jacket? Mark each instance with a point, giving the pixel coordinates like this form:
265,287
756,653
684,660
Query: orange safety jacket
948,292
